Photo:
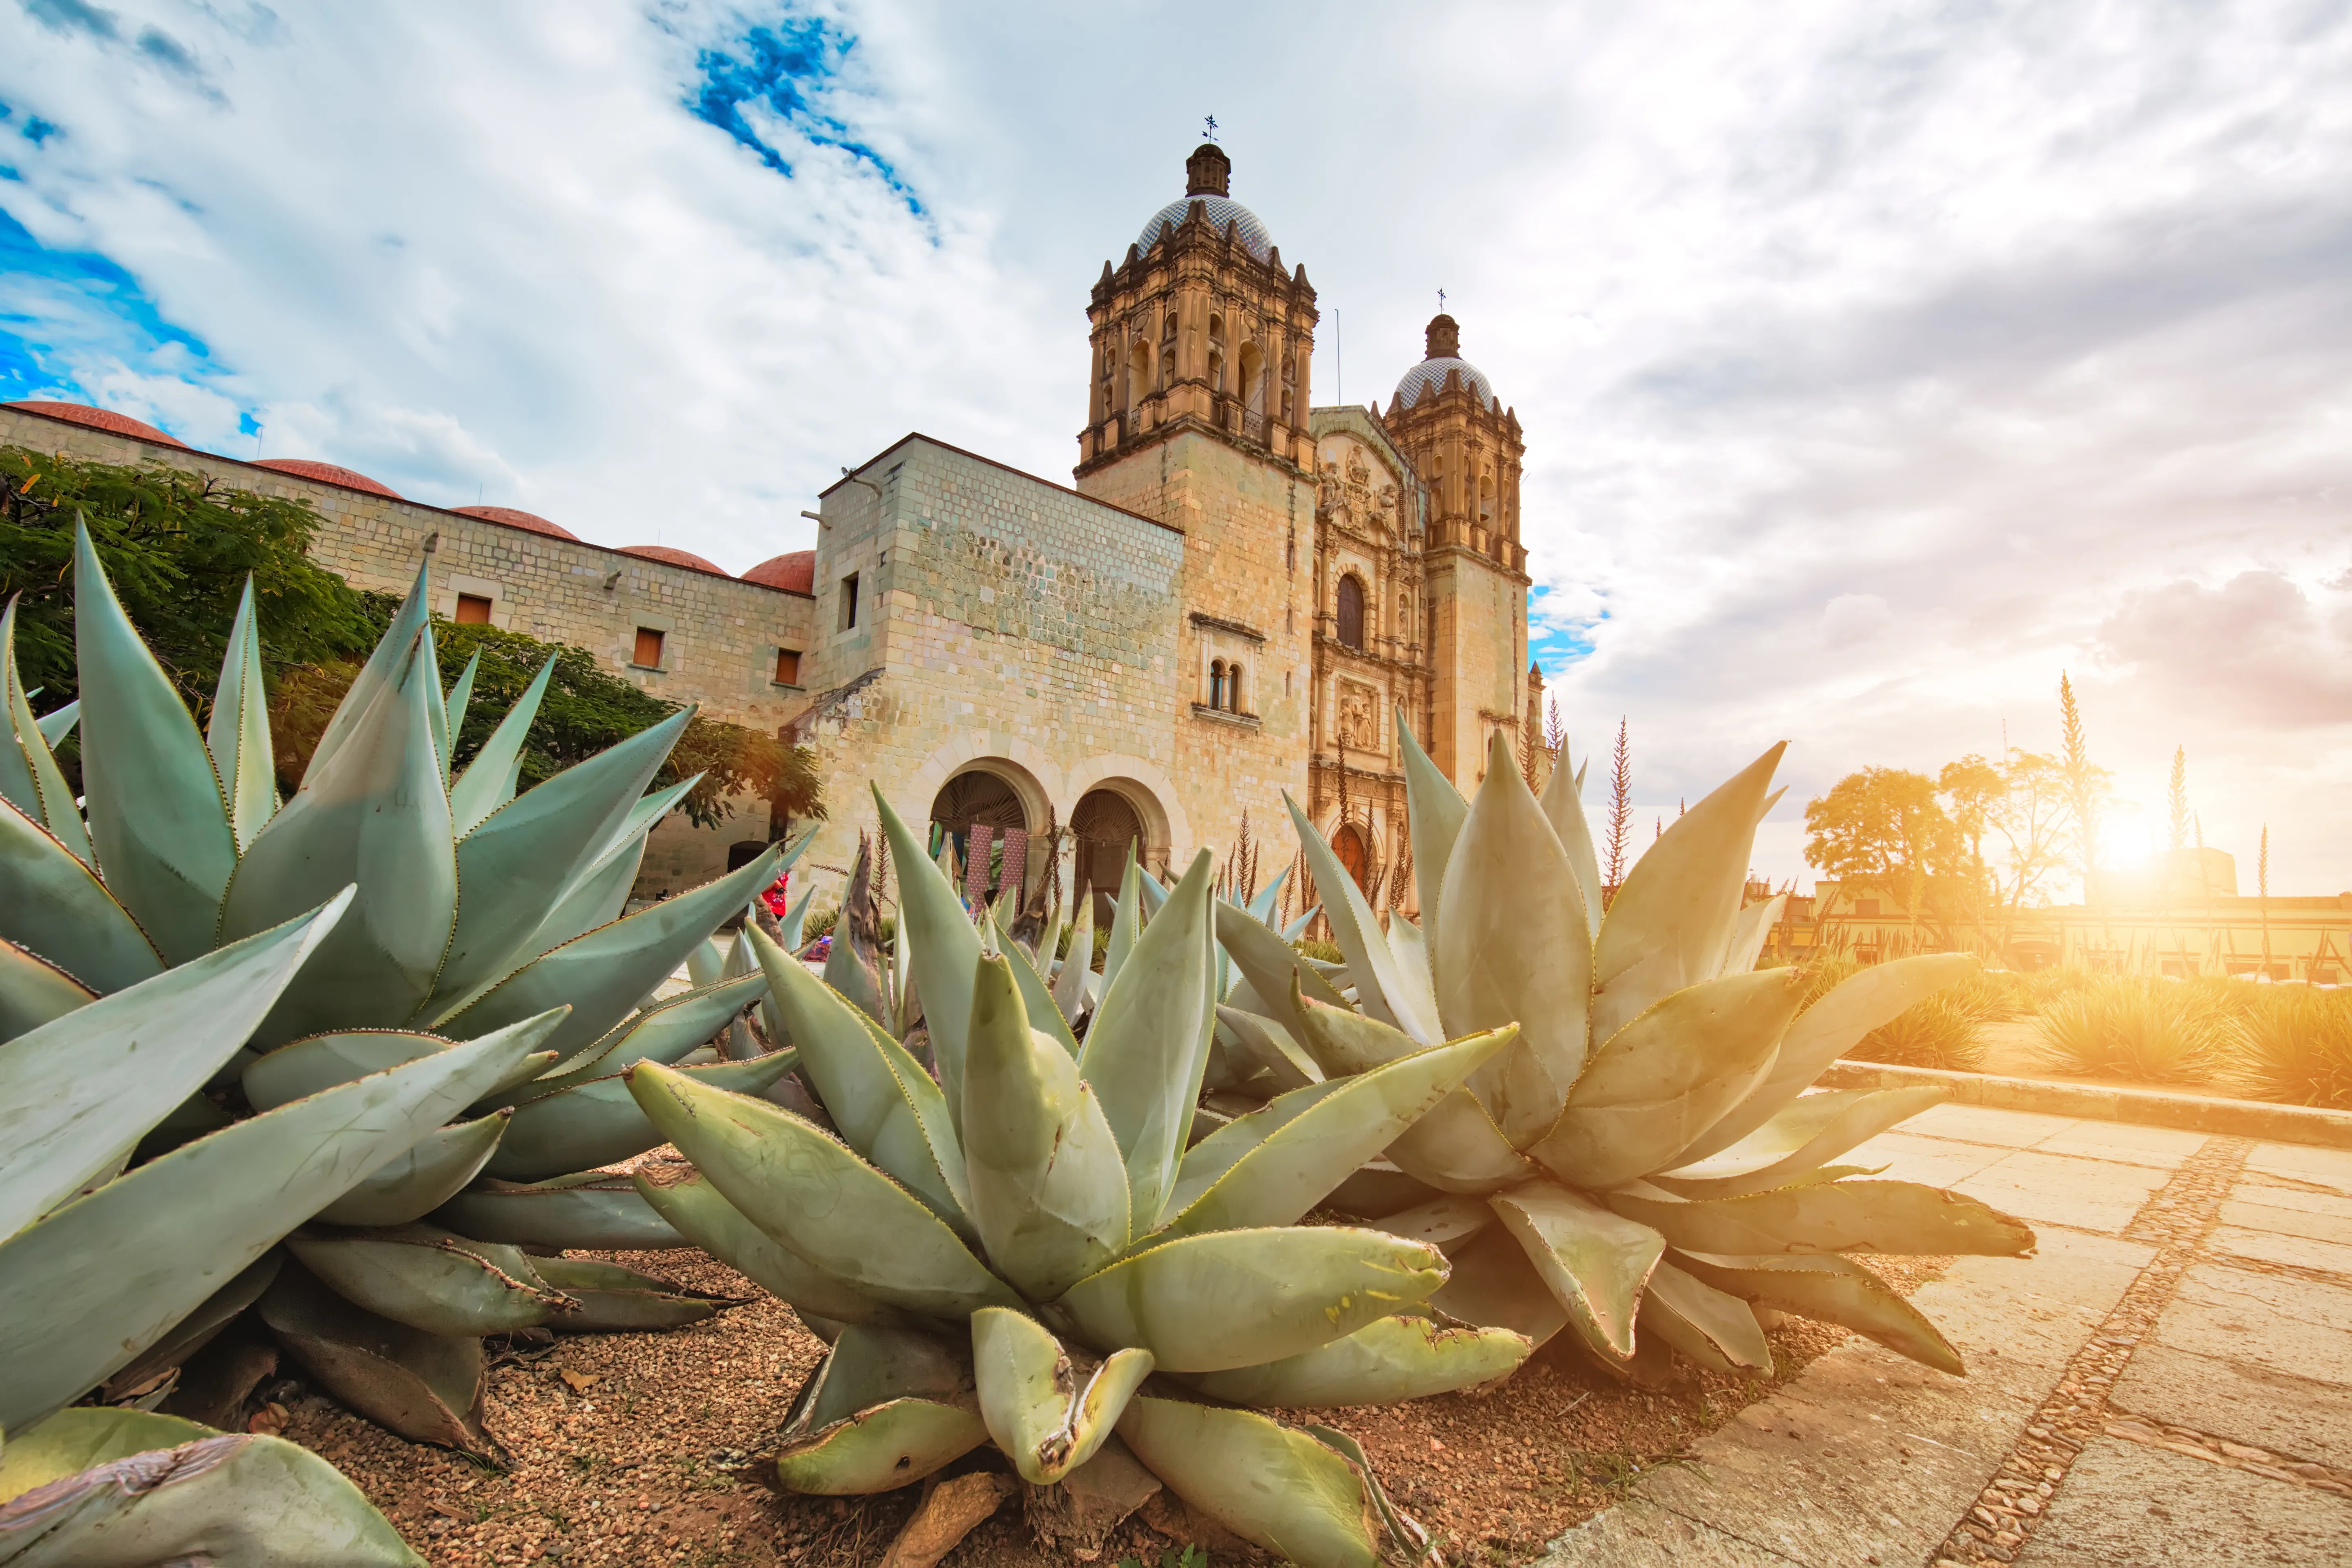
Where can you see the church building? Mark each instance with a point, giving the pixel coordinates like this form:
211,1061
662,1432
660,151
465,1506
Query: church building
1233,597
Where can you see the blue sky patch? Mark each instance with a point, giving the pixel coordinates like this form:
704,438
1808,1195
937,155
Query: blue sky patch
779,68
1551,645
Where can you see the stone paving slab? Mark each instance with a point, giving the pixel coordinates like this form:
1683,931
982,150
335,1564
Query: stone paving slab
2294,1326
1979,1124
2163,1147
2295,1251
2326,1167
2242,1401
2299,1197
2052,1189
2262,1208
2126,1505
1934,1162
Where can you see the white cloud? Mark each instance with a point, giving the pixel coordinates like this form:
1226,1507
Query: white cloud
1877,362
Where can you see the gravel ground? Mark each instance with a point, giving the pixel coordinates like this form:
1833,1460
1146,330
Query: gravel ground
626,1450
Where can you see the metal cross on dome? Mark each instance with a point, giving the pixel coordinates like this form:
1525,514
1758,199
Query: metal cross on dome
1441,301
1210,121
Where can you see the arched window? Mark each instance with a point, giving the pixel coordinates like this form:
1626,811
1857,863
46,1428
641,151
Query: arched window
1138,376
1487,500
1252,388
1109,380
1168,352
1217,683
1234,689
1216,354
1289,385
1351,611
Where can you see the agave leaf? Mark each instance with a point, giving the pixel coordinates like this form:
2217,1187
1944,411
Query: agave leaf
1301,1159
33,992
1712,1327
592,1210
1594,1261
1037,997
487,782
881,1448
72,1441
1436,809
1070,984
1398,1358
429,1279
1343,1041
1236,1298
1380,986
238,735
947,952
1270,965
428,660
1219,1148
58,722
516,864
867,1230
196,1331
1671,1072
1833,1216
617,1301
598,1123
1815,1128
381,673
1148,1046
1125,920
1443,1222
1747,934
136,1255
461,697
885,1104
375,817
1515,948
1412,951
323,1061
424,1178
1273,1486
428,1388
1049,1191
1456,1147
1261,908
1563,807
737,1043
1667,927
1826,1031
1270,1046
1833,1291
156,818
29,777
1047,1413
599,895
604,974
663,1033
1494,1284
707,1220
193,1495
870,1363
78,1092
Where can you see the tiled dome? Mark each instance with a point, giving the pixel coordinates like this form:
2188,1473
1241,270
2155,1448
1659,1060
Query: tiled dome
668,557
329,474
1222,210
1429,374
795,572
514,519
104,420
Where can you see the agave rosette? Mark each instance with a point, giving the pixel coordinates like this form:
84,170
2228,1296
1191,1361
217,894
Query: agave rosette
1646,1163
1023,1250
287,957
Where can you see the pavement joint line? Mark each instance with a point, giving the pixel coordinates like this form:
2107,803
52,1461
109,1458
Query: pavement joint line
2239,1263
2177,1218
2146,1429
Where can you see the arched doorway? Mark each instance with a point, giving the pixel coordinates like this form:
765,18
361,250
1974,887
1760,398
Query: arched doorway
1104,827
983,815
1348,844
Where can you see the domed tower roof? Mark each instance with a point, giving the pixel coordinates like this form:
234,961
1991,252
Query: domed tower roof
1445,354
105,420
795,572
670,557
1208,174
330,474
513,518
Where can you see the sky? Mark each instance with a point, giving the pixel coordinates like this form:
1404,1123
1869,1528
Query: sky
1878,362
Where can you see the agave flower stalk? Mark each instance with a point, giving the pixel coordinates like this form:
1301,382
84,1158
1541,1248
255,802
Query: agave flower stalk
1646,1163
1023,1251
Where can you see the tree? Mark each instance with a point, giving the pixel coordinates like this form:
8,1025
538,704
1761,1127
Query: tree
2087,782
1975,789
1885,828
2031,814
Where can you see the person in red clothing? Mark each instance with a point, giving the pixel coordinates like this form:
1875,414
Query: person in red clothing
776,897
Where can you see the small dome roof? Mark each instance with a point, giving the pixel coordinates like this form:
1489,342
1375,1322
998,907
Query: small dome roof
668,557
1222,210
514,519
795,572
1445,355
105,420
329,474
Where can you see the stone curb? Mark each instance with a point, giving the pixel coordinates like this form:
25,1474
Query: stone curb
2147,1106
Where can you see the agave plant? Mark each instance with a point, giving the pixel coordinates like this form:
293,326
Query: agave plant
112,1273
181,849
1023,1250
1646,1163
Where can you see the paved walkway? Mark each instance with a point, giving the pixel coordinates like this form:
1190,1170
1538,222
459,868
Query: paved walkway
2168,1381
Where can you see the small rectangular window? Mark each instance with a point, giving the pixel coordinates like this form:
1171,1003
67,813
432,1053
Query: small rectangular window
1865,907
849,602
649,648
788,666
472,610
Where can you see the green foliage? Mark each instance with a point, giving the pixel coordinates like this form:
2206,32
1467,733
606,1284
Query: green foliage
1328,952
2294,1043
178,548
1882,827
1941,1032
2147,1032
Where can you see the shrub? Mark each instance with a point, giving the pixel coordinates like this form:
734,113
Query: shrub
2294,1043
2147,1031
1944,1031
1328,952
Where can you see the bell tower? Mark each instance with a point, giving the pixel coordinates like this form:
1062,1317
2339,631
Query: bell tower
1197,417
1468,450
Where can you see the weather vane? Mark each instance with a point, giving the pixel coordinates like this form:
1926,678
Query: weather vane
1210,122
1441,301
